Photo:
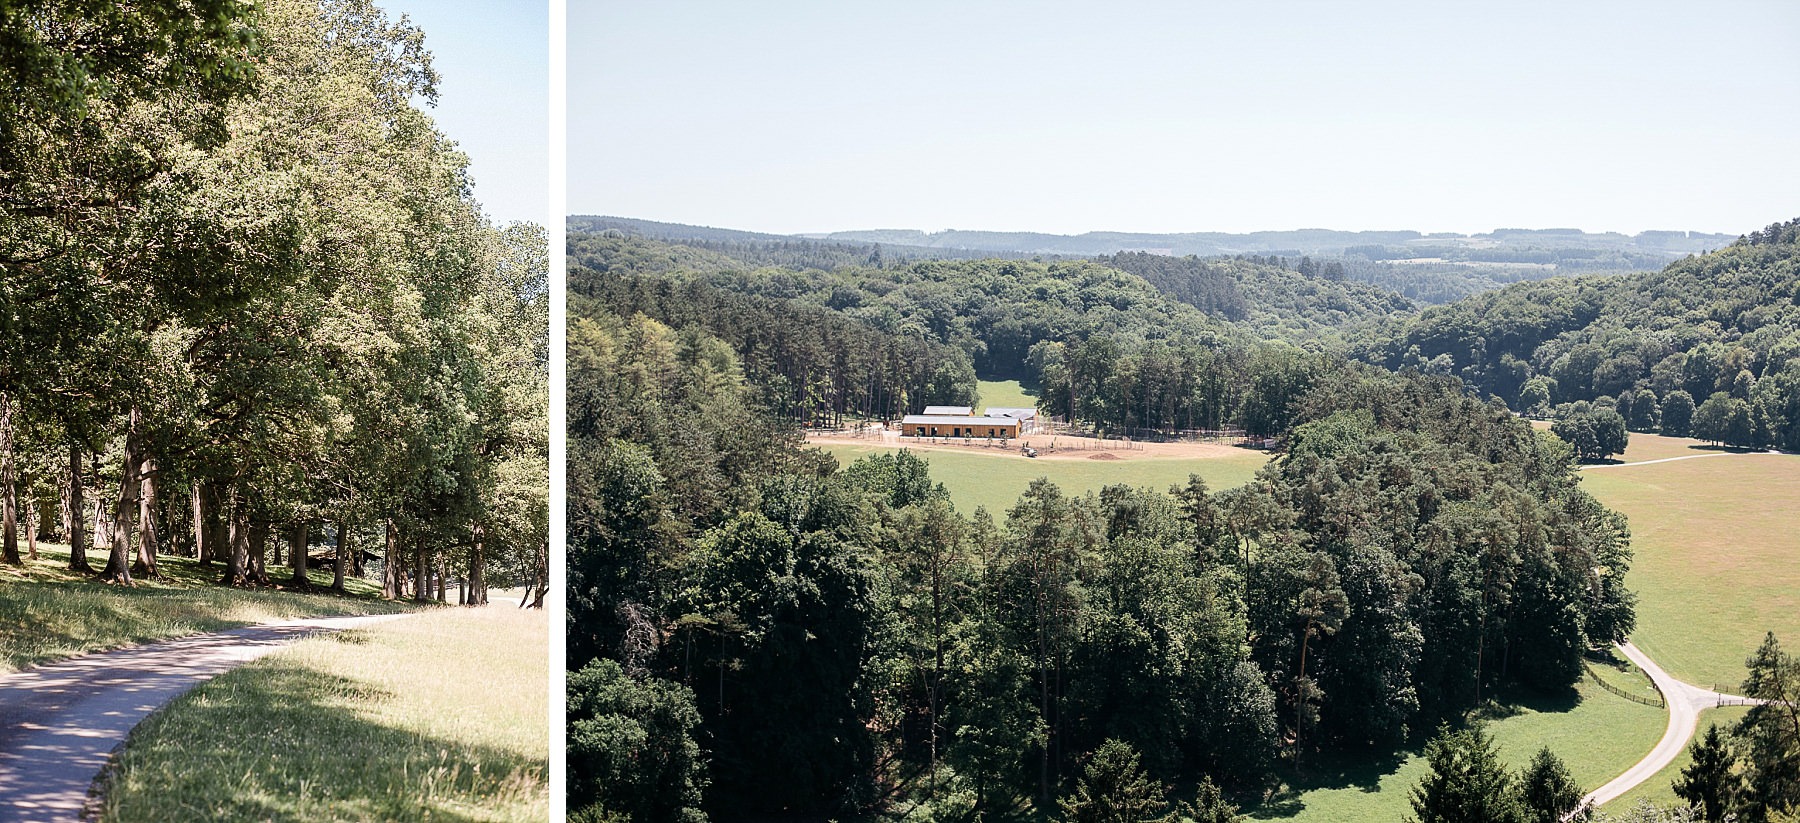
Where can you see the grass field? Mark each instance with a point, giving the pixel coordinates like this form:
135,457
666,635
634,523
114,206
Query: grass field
48,612
1006,394
439,716
1379,793
996,479
1717,557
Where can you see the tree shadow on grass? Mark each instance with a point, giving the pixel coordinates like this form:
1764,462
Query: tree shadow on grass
1360,771
1364,771
280,742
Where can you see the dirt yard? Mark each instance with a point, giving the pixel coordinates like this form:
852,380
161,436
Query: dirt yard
1050,447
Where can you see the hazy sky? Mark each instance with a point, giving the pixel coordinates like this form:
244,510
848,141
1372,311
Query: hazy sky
1214,116
493,57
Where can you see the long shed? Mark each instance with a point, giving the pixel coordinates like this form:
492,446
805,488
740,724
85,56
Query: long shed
932,425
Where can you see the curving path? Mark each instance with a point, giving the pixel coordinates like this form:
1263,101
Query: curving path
1670,460
59,722
1685,703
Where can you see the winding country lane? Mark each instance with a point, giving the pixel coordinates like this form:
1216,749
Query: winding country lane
1685,702
60,721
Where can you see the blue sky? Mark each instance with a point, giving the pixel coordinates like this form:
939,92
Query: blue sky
1204,116
493,57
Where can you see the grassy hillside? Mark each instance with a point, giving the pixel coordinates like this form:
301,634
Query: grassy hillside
47,612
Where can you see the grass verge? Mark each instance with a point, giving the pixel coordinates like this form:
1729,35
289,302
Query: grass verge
1660,789
441,716
48,612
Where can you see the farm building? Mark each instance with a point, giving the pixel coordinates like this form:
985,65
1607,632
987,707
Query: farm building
935,425
948,411
1027,417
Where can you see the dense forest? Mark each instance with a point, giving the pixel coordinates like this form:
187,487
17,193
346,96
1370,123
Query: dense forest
1108,348
1708,346
755,631
249,302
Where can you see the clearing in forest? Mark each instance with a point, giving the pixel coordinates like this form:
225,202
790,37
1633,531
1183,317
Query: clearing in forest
994,478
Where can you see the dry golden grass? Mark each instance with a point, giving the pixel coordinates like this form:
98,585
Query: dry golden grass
440,716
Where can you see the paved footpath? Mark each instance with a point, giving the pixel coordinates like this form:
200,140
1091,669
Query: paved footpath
59,722
1685,702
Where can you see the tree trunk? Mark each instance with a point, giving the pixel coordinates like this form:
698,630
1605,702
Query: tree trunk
218,525
297,541
9,501
421,581
337,565
477,595
237,572
259,551
543,577
118,561
146,555
443,572
78,561
390,572
199,497
31,532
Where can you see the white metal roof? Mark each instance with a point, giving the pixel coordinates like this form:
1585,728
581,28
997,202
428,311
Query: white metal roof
1017,414
942,421
950,411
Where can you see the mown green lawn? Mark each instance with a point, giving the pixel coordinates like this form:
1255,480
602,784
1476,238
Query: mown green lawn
48,612
1598,734
1006,394
437,716
995,479
1717,557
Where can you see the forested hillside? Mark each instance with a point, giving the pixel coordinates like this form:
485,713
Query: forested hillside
1314,300
247,300
755,631
1710,345
1107,347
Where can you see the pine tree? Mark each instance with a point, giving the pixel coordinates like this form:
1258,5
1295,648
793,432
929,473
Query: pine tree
1114,789
1547,792
1467,783
1711,783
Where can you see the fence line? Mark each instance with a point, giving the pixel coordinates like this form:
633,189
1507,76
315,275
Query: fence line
1659,701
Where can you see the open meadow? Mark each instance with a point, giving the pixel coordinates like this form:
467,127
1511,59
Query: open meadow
1717,558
